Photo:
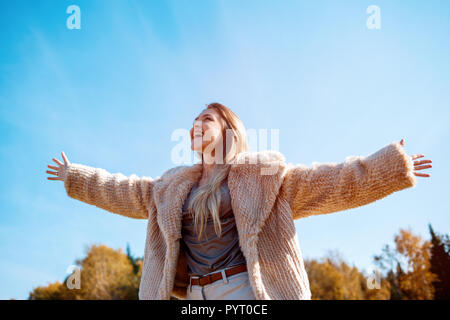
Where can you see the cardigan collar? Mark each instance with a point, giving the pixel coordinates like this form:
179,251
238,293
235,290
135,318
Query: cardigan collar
254,180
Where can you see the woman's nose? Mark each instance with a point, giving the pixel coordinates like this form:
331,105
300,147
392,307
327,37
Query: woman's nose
198,125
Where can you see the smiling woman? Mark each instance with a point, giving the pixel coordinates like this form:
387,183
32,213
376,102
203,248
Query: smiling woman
220,229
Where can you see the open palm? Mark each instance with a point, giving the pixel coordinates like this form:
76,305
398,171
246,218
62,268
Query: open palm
60,170
418,165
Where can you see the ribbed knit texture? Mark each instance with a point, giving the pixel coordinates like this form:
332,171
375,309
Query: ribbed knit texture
266,196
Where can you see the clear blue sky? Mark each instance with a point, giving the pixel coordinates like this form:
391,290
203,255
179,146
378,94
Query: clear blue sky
111,94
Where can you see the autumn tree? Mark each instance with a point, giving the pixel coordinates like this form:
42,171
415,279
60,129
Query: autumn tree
331,278
440,264
54,291
106,274
408,267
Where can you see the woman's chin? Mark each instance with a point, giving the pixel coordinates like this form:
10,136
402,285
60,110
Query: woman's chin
196,148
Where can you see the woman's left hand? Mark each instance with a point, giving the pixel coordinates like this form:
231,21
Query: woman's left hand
418,164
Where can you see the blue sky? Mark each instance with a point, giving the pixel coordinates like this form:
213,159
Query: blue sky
111,94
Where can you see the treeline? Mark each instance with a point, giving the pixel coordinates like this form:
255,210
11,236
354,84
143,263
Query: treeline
411,269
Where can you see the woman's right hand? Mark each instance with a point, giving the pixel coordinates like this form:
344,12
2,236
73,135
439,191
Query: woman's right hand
61,169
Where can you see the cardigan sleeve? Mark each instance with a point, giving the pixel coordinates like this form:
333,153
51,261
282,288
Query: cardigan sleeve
116,193
331,187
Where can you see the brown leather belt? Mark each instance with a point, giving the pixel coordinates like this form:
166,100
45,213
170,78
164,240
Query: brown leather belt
210,278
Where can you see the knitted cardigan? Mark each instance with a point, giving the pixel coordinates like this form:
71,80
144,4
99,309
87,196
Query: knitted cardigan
266,196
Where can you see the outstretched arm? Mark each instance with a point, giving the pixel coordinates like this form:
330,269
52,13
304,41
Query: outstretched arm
331,187
116,193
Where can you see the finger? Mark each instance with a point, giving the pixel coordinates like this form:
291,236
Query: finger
53,178
417,156
52,172
58,162
402,142
421,162
53,167
422,167
421,174
65,158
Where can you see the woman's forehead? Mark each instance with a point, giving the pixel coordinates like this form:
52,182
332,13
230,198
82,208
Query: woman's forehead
208,112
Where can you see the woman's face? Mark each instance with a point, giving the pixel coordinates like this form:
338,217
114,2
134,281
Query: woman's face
207,128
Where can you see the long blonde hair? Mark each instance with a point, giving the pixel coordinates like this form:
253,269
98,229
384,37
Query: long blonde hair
206,199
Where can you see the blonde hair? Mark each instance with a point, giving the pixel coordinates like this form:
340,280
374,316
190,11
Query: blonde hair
206,199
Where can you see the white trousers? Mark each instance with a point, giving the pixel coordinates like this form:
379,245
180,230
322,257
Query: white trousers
235,287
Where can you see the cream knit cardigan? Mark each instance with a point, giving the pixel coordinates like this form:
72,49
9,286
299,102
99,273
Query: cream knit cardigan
266,196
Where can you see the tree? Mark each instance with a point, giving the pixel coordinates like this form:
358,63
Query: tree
54,291
106,274
331,278
408,267
440,264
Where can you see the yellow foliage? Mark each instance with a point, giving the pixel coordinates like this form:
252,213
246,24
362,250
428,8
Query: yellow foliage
333,279
409,266
106,274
